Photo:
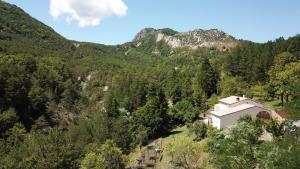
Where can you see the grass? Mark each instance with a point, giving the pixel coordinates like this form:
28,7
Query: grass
273,103
162,141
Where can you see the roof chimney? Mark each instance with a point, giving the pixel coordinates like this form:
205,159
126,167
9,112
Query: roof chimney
237,99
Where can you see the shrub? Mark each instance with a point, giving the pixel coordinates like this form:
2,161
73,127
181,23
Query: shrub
199,128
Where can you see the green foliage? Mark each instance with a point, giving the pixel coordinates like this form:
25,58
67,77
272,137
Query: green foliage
275,128
121,135
233,86
293,46
284,72
98,127
173,86
34,87
212,101
239,147
183,112
7,119
153,116
280,154
51,150
121,93
168,31
20,33
187,153
16,134
234,147
163,48
281,60
140,135
257,123
18,22
148,43
293,106
207,78
199,128
199,95
252,61
92,161
112,106
112,155
264,92
80,134
108,156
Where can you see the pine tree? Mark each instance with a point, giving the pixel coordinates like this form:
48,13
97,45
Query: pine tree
207,78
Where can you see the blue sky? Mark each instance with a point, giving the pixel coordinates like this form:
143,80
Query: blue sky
255,20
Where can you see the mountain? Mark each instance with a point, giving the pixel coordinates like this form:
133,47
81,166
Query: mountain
21,33
18,23
69,104
195,39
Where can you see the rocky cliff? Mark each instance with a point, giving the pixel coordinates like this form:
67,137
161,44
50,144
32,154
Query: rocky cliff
198,38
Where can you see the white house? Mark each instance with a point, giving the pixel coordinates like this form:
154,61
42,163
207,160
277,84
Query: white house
229,110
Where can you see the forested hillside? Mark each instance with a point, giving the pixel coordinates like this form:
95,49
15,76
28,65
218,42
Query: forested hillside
68,104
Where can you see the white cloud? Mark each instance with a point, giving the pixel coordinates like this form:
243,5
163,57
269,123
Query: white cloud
87,12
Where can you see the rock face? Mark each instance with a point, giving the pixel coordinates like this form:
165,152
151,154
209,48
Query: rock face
143,33
198,38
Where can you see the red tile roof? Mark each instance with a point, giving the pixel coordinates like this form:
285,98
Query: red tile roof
282,114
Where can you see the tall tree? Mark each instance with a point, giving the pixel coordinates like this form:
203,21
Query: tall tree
207,78
153,116
183,112
284,70
293,106
108,156
112,106
232,86
199,96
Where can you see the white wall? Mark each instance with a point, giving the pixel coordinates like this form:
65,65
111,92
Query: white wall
230,119
216,122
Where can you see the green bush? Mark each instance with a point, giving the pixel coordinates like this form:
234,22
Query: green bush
199,128
183,112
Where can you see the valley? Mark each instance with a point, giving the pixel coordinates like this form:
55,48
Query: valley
70,104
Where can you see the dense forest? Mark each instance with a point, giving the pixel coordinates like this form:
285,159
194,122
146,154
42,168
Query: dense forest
68,104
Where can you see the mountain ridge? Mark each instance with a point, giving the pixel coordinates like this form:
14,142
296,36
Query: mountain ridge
18,24
198,38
